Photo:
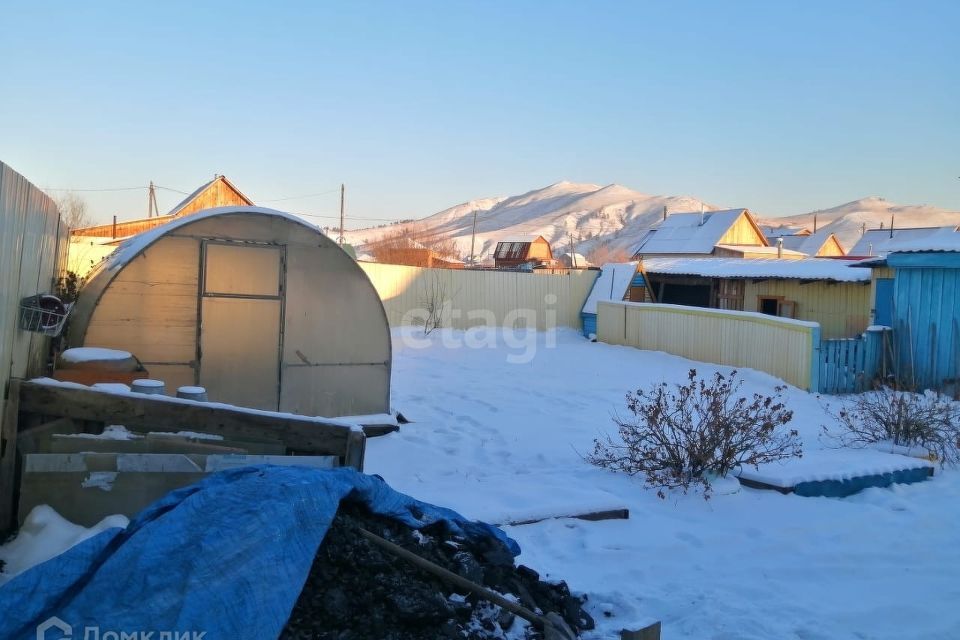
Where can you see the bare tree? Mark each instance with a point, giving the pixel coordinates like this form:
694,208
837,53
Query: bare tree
434,299
413,236
603,252
73,210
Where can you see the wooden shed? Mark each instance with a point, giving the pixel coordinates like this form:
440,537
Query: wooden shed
256,305
523,250
922,304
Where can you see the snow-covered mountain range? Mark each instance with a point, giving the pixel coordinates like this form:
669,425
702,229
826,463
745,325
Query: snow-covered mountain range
585,216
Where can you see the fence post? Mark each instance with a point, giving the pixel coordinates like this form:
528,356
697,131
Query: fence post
873,357
815,359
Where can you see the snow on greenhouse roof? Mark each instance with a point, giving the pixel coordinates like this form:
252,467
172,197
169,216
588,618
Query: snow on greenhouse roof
611,284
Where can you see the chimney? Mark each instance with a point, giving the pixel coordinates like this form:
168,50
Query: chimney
701,214
664,212
891,225
814,223
780,247
870,249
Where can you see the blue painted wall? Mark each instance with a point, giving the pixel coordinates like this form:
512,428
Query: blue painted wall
589,323
926,312
883,305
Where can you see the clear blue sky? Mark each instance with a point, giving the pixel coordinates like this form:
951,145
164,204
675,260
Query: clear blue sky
783,107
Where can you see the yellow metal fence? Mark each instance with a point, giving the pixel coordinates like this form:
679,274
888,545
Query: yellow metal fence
781,347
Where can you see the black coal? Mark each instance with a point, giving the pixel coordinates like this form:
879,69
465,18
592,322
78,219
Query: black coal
358,591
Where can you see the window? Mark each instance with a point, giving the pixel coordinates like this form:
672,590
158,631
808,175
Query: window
777,306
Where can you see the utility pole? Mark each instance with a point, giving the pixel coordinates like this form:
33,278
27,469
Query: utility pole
473,240
340,239
152,208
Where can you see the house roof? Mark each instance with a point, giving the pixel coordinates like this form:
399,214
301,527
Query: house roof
684,233
611,284
880,242
802,269
521,239
945,239
808,243
770,251
193,196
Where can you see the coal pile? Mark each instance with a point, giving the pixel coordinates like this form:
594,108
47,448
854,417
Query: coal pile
358,591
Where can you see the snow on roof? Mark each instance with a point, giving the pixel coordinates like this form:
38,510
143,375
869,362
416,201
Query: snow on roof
134,246
683,233
612,284
880,242
521,239
771,251
803,269
808,244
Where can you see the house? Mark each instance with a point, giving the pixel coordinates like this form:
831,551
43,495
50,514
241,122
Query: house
218,192
255,305
822,244
406,251
731,233
825,291
916,289
877,242
515,252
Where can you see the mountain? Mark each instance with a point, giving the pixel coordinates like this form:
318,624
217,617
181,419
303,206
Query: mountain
847,220
588,216
585,215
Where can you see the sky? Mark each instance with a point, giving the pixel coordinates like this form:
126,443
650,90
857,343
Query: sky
782,107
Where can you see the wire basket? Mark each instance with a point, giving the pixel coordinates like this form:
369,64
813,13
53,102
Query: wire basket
44,314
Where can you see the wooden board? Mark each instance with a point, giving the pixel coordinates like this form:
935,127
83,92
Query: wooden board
8,455
308,435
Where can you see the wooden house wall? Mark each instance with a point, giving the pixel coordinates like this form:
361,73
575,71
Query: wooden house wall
842,309
743,232
926,314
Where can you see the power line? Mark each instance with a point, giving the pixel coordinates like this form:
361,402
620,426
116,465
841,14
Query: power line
303,197
90,190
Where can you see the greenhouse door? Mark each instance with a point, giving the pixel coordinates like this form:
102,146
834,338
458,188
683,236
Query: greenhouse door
241,310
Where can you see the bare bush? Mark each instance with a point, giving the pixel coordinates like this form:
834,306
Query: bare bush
928,420
434,300
412,237
680,434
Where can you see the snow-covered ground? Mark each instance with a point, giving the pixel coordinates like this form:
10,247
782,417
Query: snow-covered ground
501,441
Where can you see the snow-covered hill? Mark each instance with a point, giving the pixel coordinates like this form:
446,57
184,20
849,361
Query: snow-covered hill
589,215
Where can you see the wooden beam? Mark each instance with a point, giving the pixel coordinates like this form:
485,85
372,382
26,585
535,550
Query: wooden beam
355,450
33,439
651,632
144,413
593,516
8,455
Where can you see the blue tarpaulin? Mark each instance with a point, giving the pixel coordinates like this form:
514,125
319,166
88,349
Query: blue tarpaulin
227,557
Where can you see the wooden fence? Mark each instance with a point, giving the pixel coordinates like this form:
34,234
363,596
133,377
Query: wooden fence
472,298
782,347
850,365
33,252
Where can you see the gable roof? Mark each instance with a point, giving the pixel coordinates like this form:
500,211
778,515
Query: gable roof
183,204
878,242
683,233
808,243
522,239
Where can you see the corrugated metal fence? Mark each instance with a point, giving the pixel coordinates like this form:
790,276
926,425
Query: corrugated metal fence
472,298
782,347
33,252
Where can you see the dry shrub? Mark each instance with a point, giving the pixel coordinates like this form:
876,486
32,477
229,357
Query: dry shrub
679,434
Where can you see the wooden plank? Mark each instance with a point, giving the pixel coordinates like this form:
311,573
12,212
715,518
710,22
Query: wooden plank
8,455
355,450
150,414
33,439
593,516
651,632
